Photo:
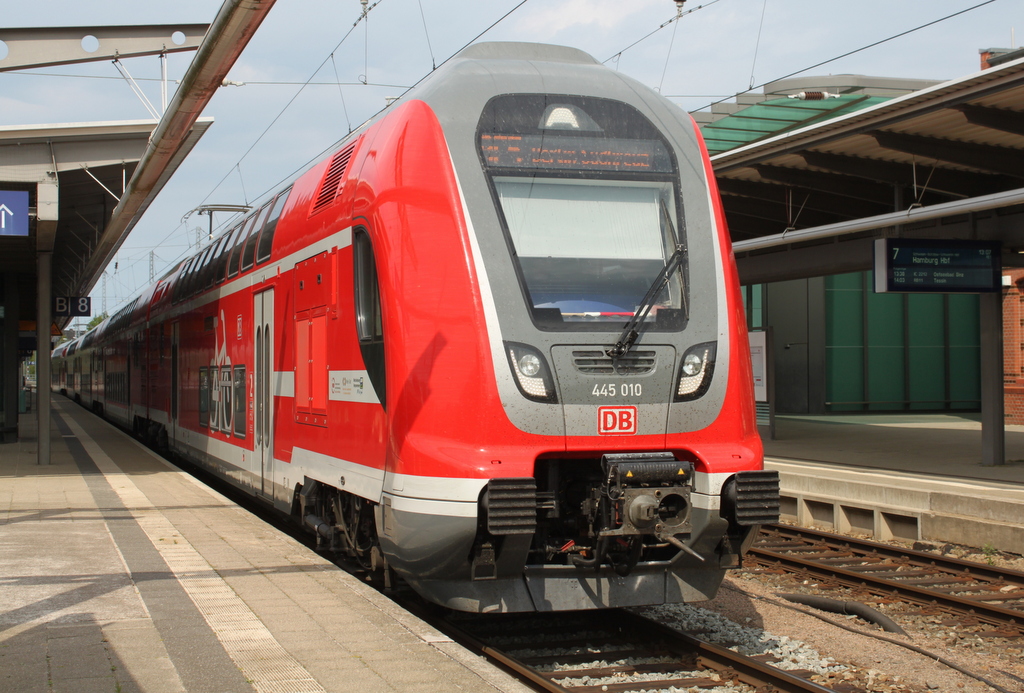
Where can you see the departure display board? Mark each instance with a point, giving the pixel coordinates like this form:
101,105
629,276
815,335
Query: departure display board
906,265
574,153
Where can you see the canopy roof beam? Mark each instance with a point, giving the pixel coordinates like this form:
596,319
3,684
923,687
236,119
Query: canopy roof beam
983,157
29,47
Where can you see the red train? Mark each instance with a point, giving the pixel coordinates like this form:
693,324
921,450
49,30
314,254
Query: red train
493,343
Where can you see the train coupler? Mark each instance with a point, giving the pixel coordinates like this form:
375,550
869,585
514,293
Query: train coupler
650,492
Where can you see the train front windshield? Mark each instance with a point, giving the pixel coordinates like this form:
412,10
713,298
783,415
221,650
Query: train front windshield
590,249
586,190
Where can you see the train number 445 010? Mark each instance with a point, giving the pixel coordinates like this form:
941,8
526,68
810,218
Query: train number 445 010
617,390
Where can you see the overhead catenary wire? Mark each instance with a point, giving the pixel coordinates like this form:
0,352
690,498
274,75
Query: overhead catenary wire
668,54
365,13
247,83
757,43
678,16
337,83
367,9
406,89
433,62
855,51
341,93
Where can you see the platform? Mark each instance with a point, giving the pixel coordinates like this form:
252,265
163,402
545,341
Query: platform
902,476
120,573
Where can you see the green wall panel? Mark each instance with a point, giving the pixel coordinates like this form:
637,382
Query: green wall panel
844,341
844,378
885,320
885,378
926,319
927,378
964,351
920,348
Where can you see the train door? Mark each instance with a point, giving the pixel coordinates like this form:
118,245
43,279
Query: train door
262,404
172,432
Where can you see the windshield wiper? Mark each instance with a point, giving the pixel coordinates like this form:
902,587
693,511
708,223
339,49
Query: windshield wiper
632,329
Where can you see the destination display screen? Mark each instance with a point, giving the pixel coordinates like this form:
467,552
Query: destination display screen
904,265
574,153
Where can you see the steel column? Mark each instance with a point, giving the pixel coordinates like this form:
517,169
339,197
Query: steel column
993,437
44,318
10,384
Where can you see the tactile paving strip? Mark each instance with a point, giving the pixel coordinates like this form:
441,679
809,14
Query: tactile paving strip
253,648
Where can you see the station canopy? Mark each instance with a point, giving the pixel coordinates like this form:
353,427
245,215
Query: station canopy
75,175
823,176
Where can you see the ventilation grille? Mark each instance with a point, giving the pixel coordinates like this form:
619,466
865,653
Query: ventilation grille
757,497
511,506
332,180
596,362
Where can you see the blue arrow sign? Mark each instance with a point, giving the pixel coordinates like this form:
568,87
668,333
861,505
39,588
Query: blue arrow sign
13,213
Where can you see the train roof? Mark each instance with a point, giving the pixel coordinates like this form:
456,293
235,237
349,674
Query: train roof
518,50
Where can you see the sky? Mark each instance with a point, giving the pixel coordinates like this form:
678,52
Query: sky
273,126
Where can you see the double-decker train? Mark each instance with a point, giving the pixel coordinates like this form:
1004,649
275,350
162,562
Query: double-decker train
493,344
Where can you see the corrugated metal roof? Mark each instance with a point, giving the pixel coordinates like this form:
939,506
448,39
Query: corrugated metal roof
778,115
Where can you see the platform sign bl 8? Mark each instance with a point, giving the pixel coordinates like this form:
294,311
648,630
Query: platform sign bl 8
73,306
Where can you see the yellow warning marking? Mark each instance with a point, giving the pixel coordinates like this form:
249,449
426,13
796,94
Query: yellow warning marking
629,474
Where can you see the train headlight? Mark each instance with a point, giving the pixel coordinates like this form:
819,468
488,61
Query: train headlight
532,376
695,373
529,365
692,365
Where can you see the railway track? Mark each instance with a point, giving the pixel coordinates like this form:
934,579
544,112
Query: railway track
607,651
615,651
964,589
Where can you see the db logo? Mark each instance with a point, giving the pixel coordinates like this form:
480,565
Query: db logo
616,421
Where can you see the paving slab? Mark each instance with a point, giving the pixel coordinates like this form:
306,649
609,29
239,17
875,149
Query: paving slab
120,573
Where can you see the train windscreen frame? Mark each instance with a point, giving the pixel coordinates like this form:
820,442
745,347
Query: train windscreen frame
587,192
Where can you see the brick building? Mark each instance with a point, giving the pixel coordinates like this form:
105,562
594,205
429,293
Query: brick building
1013,346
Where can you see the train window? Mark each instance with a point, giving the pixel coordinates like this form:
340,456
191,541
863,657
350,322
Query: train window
267,237
204,266
240,401
182,283
206,279
224,400
204,396
195,284
249,252
176,292
369,320
225,253
214,402
367,293
232,262
186,289
590,250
